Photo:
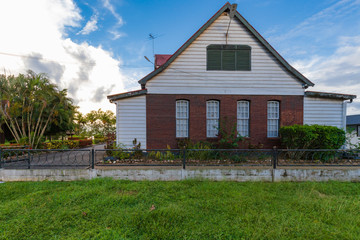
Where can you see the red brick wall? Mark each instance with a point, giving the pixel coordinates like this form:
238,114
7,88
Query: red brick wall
161,127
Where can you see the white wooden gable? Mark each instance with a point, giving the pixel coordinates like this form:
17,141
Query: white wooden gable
187,73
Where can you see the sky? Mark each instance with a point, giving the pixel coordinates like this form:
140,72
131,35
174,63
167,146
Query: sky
96,48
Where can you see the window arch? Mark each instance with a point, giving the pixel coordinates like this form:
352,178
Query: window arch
212,118
243,115
273,117
182,118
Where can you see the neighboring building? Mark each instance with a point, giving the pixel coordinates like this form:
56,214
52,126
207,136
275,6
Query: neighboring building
353,130
216,76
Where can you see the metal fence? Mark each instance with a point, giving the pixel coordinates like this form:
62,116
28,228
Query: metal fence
91,158
45,158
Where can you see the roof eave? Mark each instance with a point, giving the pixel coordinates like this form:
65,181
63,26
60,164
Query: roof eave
330,95
120,96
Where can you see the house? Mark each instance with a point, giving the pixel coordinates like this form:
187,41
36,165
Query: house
227,72
353,130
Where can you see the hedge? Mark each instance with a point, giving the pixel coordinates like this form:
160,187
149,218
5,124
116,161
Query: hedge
312,137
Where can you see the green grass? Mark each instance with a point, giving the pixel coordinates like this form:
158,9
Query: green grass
108,209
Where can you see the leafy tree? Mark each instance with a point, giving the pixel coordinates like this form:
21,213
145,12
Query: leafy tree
34,107
96,122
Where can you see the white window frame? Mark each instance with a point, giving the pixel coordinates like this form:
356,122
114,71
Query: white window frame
243,116
273,118
212,118
182,118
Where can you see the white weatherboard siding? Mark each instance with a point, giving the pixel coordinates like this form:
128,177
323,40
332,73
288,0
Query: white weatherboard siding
188,74
131,121
324,111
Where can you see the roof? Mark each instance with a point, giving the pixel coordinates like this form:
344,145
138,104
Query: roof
330,95
226,7
353,120
119,96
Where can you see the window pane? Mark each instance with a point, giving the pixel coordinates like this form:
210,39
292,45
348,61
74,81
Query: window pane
212,118
243,118
182,118
273,119
212,127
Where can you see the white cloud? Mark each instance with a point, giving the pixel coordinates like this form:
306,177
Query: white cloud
339,72
116,34
322,22
90,26
36,31
111,8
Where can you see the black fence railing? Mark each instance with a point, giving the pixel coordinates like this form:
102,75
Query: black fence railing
318,157
44,158
184,157
91,158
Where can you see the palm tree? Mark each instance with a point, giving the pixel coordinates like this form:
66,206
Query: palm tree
34,105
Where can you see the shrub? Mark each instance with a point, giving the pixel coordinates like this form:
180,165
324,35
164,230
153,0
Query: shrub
66,144
312,137
85,142
98,140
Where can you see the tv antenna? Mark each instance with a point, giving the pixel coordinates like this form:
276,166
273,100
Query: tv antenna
152,37
231,15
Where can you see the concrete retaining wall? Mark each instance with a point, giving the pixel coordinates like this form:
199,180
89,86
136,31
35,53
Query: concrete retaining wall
241,175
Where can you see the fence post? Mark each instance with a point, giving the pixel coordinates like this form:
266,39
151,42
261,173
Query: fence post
92,158
275,157
29,156
184,158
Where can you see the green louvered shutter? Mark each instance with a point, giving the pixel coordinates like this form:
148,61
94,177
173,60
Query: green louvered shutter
213,59
243,61
228,60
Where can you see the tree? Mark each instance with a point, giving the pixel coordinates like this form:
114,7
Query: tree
35,106
96,122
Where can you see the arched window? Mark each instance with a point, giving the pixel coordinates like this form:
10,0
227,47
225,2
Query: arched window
182,118
273,117
212,118
243,118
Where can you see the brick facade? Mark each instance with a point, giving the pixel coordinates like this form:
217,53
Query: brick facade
161,121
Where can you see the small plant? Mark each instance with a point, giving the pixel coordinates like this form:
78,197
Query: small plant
137,149
119,152
228,136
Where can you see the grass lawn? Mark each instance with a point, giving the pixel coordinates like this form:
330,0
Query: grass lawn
108,209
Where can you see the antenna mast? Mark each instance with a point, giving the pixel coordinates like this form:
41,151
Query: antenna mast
152,37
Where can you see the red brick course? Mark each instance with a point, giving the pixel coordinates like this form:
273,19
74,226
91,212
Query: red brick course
161,126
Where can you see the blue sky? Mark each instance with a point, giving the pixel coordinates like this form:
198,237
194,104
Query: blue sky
95,48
